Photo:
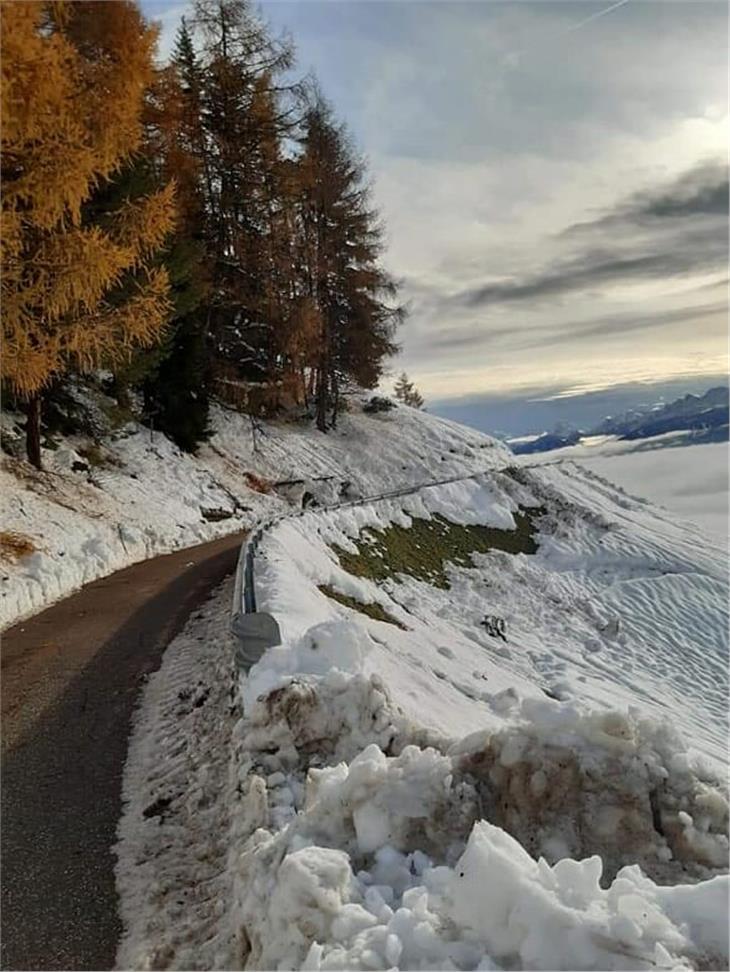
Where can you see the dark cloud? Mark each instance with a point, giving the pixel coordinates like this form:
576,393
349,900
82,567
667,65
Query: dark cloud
480,339
703,191
473,338
674,230
598,268
592,270
611,325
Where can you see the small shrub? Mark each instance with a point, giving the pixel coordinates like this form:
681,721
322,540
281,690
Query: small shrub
495,626
98,457
12,443
13,546
117,415
379,404
73,406
93,454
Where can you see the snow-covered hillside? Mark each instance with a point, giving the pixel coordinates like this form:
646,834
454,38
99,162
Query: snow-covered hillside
430,733
494,736
619,604
97,509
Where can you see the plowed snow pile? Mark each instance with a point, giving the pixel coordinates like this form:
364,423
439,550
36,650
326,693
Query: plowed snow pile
394,861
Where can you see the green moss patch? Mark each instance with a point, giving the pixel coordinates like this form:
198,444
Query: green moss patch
423,549
374,611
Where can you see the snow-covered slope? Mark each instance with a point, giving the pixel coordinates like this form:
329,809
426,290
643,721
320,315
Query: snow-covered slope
456,759
427,791
141,496
620,604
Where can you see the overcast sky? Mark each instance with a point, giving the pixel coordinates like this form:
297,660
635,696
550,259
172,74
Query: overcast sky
552,177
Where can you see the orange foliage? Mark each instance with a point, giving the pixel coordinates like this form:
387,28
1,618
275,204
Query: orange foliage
73,82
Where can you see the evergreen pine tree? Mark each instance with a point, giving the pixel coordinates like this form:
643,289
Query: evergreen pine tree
177,398
342,244
175,380
405,391
229,65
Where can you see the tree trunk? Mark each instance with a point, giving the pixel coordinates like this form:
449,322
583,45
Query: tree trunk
335,400
322,398
33,430
121,393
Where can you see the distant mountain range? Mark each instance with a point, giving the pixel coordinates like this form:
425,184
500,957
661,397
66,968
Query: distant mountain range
703,417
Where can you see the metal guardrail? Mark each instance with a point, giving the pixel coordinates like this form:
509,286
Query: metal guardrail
255,630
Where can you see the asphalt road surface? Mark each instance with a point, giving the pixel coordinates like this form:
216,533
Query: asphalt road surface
70,680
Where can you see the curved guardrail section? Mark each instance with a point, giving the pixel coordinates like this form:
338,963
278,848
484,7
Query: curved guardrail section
254,630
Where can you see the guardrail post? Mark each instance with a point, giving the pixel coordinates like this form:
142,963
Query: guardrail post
254,633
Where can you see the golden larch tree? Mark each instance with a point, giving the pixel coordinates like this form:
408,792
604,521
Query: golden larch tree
74,77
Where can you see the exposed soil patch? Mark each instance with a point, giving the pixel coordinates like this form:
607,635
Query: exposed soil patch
257,483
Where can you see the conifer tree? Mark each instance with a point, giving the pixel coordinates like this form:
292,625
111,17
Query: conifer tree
341,245
405,391
177,396
229,65
73,81
175,378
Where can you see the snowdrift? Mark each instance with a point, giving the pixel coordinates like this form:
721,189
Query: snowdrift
392,861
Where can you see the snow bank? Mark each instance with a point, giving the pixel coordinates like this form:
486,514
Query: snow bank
375,844
143,496
179,823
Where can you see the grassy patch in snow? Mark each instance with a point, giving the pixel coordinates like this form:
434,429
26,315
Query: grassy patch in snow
117,415
374,611
423,549
94,455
